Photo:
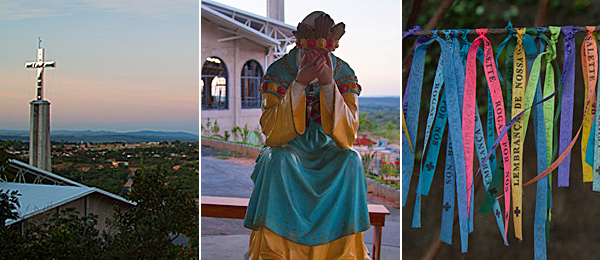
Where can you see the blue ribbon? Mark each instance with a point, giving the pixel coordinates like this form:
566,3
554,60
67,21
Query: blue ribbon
411,111
455,132
459,68
589,154
426,176
567,79
594,134
449,186
541,207
411,32
431,157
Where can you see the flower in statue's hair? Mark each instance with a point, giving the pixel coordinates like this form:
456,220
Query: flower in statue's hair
321,43
312,43
330,44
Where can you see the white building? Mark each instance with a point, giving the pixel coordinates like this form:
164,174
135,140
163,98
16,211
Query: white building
236,49
44,193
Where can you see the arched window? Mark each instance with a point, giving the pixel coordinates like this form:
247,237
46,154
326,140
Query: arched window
214,84
252,74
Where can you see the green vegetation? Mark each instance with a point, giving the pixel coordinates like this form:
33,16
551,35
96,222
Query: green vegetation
163,209
211,131
380,121
108,166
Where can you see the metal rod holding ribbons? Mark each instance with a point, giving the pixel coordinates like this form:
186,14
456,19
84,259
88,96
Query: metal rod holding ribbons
582,29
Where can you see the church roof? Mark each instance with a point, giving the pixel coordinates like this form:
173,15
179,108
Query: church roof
37,198
31,174
264,31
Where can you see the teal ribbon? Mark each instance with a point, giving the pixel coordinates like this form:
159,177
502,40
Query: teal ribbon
411,111
455,132
539,232
449,187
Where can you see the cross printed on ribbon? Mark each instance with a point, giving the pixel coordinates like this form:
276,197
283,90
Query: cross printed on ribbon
446,206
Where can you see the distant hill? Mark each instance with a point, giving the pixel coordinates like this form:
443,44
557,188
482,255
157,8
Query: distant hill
89,136
379,101
386,105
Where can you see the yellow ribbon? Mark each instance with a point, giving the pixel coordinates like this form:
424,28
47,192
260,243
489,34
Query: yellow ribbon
406,131
519,85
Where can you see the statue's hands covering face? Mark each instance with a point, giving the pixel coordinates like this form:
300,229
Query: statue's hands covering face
325,74
314,65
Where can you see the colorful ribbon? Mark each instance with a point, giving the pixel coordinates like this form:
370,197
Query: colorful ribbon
566,120
425,178
411,106
596,139
449,186
517,133
589,62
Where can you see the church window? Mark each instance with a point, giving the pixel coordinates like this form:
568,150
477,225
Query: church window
214,84
252,74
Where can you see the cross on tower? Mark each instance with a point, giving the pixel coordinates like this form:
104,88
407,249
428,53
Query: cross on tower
40,64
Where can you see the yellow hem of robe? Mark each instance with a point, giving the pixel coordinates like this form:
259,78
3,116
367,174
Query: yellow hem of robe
264,244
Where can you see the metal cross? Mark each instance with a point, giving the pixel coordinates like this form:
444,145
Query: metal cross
40,64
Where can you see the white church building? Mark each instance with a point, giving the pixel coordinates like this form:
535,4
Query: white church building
236,49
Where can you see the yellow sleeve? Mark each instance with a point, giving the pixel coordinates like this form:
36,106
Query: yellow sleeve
281,123
341,124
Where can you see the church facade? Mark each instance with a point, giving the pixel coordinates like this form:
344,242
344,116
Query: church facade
236,49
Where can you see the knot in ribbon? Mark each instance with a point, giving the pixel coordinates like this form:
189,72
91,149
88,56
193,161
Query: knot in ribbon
412,31
482,31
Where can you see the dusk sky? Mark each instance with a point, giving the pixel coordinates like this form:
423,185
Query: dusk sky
120,65
371,44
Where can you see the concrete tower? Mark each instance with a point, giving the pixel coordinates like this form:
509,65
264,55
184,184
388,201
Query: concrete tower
275,10
39,117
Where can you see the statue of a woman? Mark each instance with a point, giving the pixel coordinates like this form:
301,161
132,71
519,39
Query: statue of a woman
310,193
